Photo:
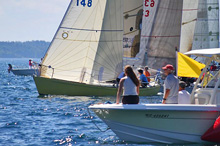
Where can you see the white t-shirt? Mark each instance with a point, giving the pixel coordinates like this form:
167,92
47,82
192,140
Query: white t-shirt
171,82
129,87
184,97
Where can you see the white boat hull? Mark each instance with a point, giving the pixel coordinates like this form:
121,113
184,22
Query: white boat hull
167,124
26,72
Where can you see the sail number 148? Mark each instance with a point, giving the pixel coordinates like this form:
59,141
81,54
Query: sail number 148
83,3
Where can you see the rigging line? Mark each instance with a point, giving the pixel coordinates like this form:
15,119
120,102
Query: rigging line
48,49
157,36
89,29
183,23
133,9
69,10
130,32
95,123
172,9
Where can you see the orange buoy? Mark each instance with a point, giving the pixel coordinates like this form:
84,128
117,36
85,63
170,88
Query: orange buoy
213,133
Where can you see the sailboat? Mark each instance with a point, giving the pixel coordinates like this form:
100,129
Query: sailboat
175,123
86,53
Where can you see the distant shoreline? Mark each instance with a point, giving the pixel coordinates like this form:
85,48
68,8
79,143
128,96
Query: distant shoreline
27,49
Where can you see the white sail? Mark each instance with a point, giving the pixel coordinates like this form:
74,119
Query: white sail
207,25
189,19
88,44
161,34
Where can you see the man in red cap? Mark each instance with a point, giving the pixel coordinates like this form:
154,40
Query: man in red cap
171,86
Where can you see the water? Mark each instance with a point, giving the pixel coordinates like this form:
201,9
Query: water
29,120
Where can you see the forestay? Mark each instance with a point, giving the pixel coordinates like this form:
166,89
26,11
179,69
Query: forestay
87,47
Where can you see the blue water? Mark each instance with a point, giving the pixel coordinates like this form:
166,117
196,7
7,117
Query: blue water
29,120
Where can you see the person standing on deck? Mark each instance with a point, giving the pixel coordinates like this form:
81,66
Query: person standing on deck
30,64
171,86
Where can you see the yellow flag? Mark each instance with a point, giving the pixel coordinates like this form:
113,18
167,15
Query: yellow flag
187,67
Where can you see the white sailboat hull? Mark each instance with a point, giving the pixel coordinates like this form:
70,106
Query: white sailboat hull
156,123
26,72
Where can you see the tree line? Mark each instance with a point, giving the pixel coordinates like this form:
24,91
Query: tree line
28,49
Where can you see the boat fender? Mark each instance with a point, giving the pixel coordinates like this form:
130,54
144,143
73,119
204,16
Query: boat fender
213,133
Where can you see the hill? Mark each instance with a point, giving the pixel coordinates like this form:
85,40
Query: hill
29,49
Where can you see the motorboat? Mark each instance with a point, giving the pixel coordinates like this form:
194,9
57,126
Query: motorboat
170,123
24,71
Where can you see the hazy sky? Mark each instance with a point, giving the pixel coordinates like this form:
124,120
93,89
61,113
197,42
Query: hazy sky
26,20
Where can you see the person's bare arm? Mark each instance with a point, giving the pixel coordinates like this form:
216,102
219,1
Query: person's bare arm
138,90
121,84
166,94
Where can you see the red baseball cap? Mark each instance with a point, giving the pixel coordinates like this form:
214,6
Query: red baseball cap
168,66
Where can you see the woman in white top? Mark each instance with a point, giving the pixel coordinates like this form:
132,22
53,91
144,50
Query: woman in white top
130,84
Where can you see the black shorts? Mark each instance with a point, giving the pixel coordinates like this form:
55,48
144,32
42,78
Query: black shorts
130,99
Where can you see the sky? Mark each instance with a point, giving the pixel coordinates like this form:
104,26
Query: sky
27,20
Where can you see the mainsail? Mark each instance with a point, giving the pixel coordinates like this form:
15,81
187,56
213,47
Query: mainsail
87,47
161,34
